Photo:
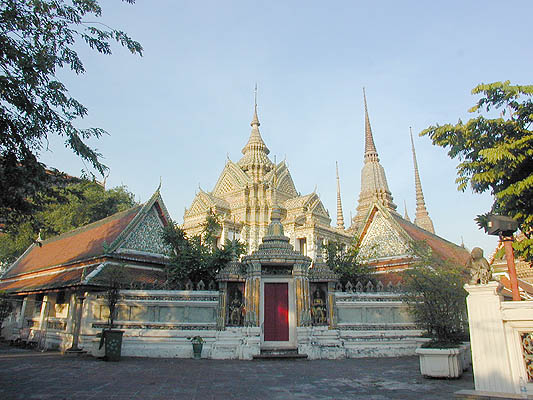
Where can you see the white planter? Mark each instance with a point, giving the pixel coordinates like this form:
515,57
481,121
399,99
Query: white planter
441,363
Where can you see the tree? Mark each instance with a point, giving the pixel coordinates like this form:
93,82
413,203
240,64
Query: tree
83,203
344,262
37,39
198,258
496,153
435,297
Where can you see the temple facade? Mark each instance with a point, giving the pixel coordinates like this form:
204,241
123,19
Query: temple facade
243,199
279,297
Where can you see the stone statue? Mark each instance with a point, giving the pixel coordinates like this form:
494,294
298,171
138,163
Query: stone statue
235,311
318,308
479,267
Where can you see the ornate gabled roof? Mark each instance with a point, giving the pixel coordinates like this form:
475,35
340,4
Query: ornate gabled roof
386,235
255,152
422,218
440,246
205,201
374,186
284,183
232,178
79,244
309,203
297,202
216,201
99,239
381,237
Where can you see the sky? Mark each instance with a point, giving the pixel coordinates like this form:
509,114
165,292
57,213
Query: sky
179,111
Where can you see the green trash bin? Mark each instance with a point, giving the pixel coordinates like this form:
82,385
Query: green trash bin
113,344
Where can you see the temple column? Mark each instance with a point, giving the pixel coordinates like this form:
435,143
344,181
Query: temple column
332,315
76,325
252,294
22,316
221,318
303,303
43,316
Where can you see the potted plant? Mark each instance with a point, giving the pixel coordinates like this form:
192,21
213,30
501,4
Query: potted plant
197,345
437,301
112,338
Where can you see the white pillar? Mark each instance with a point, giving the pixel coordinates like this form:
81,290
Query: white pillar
43,316
22,316
490,358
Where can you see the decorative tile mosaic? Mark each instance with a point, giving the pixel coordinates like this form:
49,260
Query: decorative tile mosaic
382,240
527,351
147,235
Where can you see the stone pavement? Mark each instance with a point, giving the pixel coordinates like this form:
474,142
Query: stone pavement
26,374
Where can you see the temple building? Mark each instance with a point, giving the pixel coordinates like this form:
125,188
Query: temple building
280,296
243,195
383,235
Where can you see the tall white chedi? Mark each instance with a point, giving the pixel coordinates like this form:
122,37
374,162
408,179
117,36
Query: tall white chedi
422,218
374,187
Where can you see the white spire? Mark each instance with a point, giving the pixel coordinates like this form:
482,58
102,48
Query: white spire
422,218
374,187
340,217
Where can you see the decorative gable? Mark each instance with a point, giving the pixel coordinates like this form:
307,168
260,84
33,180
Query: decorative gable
382,239
231,179
285,183
146,236
197,207
319,209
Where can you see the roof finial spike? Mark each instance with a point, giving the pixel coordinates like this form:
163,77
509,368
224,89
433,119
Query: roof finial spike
255,159
370,147
340,216
406,216
422,218
275,185
160,184
255,119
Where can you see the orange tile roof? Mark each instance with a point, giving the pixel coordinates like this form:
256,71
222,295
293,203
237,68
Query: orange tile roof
443,248
70,277
80,244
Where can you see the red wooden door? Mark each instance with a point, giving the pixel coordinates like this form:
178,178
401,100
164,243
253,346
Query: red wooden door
276,321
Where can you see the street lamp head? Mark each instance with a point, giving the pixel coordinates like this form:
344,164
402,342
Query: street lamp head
500,225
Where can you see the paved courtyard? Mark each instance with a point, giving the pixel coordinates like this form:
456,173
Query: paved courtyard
26,374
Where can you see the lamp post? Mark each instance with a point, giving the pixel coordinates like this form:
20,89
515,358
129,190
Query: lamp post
504,227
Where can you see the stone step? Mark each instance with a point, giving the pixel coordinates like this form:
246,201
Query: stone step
280,354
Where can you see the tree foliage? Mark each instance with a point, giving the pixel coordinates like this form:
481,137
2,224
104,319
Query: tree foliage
344,262
198,258
37,40
496,152
435,296
82,203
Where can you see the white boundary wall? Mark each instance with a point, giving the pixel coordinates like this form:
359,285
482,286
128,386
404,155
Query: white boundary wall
158,323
